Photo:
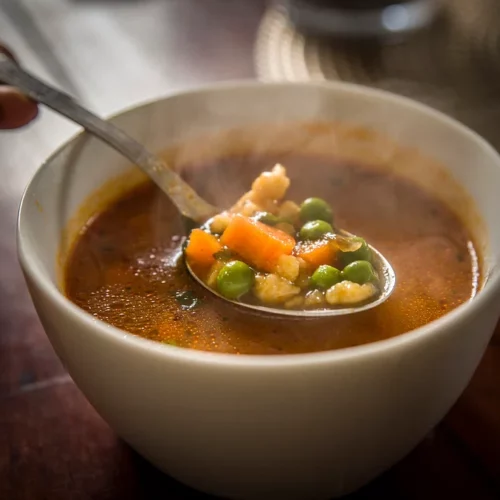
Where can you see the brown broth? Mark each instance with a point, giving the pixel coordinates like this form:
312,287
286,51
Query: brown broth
124,270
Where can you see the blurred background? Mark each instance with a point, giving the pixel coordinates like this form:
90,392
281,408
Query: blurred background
111,54
114,53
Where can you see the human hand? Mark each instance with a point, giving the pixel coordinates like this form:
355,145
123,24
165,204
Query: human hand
16,110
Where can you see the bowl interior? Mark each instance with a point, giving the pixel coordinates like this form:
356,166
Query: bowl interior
85,164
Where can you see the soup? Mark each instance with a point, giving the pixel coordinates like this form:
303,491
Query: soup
126,267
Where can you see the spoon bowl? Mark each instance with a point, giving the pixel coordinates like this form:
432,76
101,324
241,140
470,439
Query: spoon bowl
194,209
386,280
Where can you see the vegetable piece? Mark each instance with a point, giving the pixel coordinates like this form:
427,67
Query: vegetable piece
362,253
295,302
359,271
315,298
235,279
325,277
303,279
213,273
315,209
316,253
289,211
223,255
219,223
347,292
286,228
250,209
201,248
187,300
288,267
267,218
270,185
258,244
314,230
273,289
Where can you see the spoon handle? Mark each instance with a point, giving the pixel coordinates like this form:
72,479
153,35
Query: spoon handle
188,202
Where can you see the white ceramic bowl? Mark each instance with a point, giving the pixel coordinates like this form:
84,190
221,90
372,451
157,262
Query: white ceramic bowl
308,426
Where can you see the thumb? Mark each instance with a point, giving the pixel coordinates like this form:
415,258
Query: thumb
16,109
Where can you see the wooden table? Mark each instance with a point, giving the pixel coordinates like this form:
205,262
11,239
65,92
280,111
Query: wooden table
111,54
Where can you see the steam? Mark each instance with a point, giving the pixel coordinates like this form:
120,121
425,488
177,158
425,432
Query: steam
322,159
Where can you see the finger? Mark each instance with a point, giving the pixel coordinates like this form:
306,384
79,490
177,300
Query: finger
16,109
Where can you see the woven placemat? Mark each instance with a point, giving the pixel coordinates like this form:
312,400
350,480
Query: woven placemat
454,65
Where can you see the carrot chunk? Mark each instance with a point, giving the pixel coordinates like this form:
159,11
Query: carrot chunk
201,248
316,253
258,245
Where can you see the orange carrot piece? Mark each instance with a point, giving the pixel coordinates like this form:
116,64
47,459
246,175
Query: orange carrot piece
316,253
258,245
201,248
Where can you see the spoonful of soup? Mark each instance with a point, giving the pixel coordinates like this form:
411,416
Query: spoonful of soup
271,254
265,253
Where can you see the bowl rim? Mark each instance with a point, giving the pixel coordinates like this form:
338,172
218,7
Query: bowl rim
440,326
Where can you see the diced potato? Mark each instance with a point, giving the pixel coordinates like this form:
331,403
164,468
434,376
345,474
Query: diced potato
271,185
346,292
286,227
304,266
289,210
267,189
303,279
220,222
214,272
272,289
249,209
288,267
314,299
295,302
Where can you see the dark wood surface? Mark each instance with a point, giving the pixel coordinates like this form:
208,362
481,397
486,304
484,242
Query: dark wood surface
52,443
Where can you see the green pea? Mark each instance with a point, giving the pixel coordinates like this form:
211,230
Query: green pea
267,218
314,230
235,279
359,271
325,277
362,253
315,209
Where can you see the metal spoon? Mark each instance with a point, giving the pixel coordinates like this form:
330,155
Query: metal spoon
194,209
